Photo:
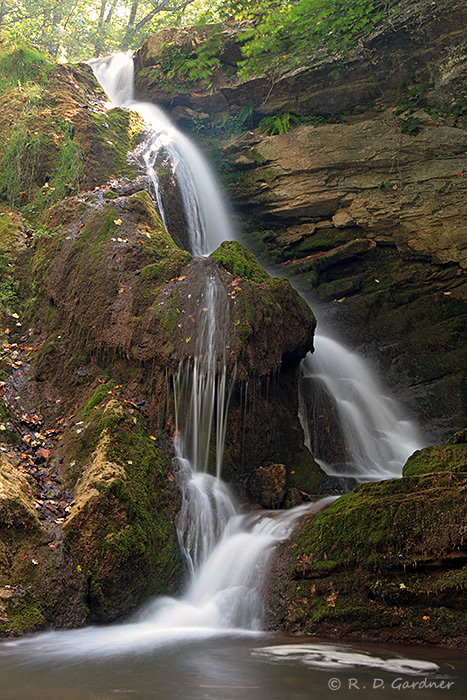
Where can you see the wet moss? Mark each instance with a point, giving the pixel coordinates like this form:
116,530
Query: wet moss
392,523
124,535
399,543
171,317
237,260
117,133
24,615
451,457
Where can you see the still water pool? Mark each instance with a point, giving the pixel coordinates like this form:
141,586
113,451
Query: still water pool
250,667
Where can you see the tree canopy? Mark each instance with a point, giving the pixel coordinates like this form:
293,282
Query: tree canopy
277,34
80,29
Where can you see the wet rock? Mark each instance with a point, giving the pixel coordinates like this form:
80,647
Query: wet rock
266,485
387,561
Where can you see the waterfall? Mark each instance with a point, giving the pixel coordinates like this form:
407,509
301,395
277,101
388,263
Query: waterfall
202,396
227,552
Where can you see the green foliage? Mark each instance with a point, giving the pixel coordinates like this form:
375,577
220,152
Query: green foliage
282,123
411,96
80,29
283,35
411,125
278,124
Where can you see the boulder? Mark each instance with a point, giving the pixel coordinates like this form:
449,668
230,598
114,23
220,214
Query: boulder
386,562
267,485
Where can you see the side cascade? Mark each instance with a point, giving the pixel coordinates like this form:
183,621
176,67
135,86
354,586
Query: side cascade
377,439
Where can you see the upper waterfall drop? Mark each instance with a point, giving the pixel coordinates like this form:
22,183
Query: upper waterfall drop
206,210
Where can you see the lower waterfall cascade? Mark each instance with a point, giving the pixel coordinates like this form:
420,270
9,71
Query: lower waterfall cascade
227,552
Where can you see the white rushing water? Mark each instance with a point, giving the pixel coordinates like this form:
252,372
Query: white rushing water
205,209
378,439
227,553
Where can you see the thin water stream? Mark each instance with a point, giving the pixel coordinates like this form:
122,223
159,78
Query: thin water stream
208,644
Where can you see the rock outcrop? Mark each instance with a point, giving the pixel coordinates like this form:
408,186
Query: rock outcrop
421,43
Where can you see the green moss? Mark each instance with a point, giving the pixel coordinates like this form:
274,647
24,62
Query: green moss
8,231
393,522
237,260
117,132
23,165
133,549
141,204
340,288
23,616
168,267
451,457
100,394
100,226
23,64
69,167
171,317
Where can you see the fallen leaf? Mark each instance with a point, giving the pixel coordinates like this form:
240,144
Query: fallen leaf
118,222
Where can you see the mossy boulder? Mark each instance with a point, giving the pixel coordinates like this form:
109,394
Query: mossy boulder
451,457
273,324
387,561
122,526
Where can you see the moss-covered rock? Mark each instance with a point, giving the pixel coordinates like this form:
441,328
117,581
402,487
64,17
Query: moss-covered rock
60,141
387,561
121,529
23,557
451,457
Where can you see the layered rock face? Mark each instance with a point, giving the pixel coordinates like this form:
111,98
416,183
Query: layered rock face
364,201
